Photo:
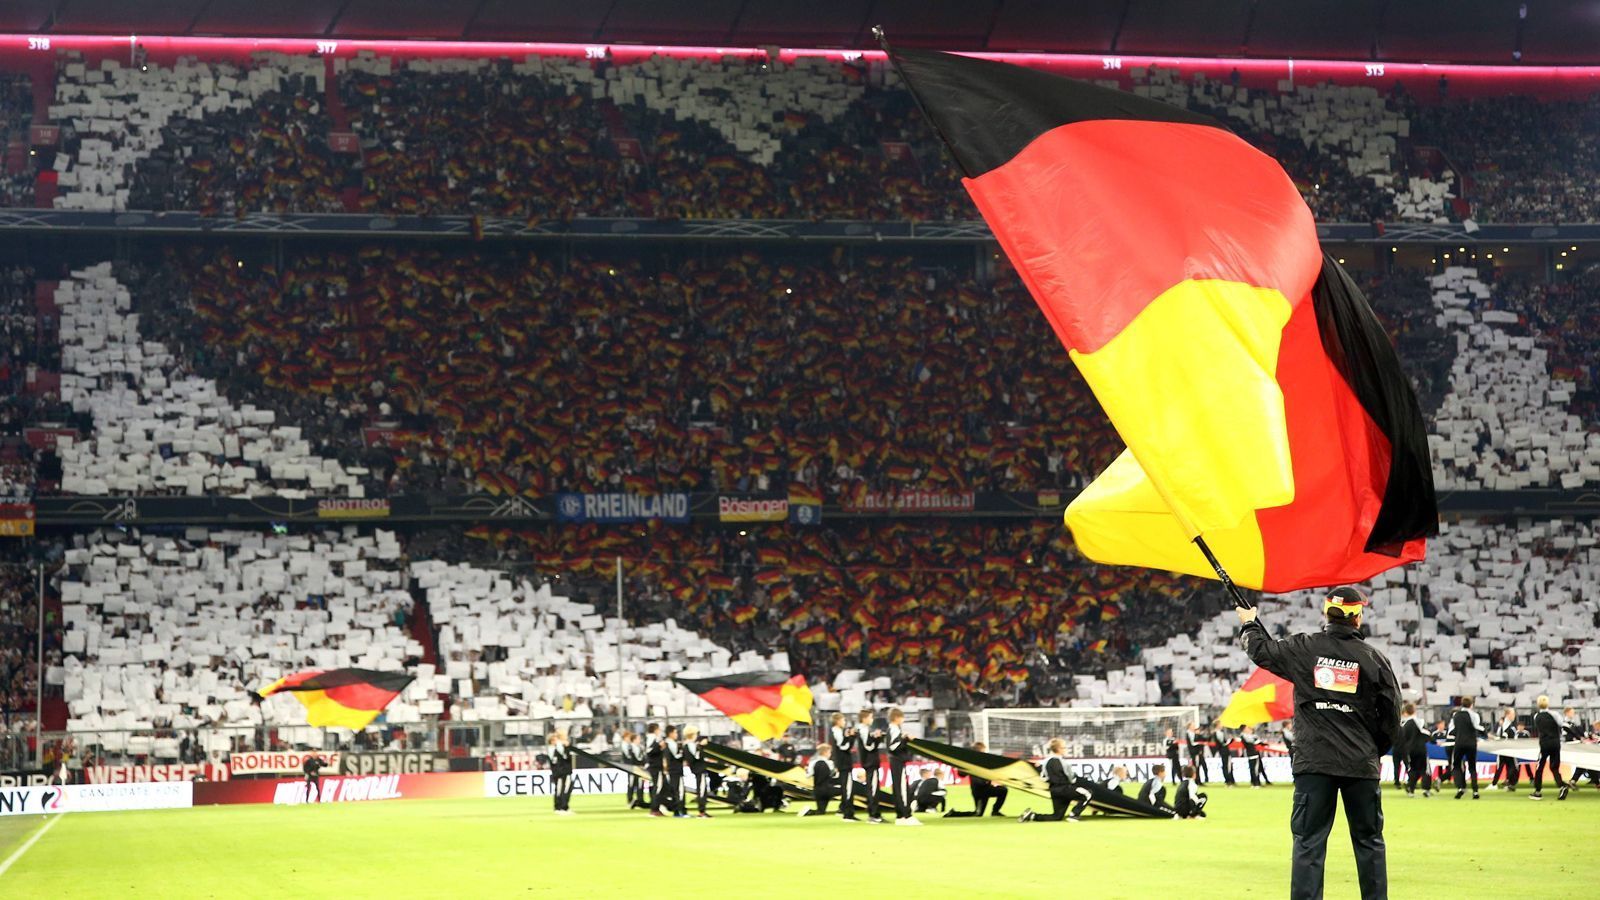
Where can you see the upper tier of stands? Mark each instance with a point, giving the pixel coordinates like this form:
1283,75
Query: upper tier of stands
549,138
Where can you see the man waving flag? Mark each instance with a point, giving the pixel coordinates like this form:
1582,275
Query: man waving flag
1265,413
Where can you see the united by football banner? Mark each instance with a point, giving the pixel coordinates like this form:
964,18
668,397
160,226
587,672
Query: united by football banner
1262,405
622,507
342,789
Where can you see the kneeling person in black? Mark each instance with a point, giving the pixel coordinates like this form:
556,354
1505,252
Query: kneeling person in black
1154,789
983,790
1064,787
824,781
928,794
1191,801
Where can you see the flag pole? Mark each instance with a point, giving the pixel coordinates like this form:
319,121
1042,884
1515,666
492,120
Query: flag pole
883,41
1240,601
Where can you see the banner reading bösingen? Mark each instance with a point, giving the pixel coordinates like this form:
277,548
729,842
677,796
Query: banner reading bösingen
622,507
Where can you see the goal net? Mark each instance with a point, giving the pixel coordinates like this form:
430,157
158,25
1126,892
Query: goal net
1104,732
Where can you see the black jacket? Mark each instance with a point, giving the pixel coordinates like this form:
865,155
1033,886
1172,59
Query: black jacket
1346,698
1464,728
868,748
654,748
560,761
1548,728
1172,750
824,778
1413,739
898,744
1056,775
1153,792
843,746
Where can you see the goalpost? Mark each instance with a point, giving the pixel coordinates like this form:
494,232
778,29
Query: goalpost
1090,732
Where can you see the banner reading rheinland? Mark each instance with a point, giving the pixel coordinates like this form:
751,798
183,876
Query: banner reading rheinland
622,507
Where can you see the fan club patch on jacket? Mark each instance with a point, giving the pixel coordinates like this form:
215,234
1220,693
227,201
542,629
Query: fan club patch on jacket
1339,675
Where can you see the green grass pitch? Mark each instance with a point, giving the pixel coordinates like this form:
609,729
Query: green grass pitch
1500,846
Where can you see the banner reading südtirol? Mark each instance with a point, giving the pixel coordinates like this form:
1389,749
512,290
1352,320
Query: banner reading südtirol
334,508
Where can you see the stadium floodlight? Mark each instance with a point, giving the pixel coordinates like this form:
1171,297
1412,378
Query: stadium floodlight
1090,732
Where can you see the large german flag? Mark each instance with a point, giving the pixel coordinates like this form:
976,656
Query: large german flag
763,703
1264,697
342,698
1262,405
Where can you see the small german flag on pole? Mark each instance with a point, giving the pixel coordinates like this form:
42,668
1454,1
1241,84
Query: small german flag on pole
763,703
341,698
1264,697
1269,427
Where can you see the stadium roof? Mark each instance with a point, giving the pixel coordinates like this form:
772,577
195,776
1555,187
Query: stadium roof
1461,31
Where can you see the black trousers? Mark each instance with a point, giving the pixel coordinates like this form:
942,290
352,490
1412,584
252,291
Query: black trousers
701,789
897,774
314,785
635,791
1257,773
656,777
1464,763
1417,770
1512,768
1199,760
1173,769
982,795
667,796
1394,763
935,802
824,797
870,770
1060,802
1315,799
1551,755
848,785
561,790
1227,767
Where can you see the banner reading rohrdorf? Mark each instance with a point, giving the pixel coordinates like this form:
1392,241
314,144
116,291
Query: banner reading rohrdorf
752,509
278,762
910,501
622,507
352,509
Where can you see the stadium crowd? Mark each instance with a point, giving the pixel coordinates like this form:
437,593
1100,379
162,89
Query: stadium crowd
733,371
538,142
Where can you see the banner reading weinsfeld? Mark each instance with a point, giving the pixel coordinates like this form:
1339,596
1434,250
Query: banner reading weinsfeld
156,772
622,507
915,500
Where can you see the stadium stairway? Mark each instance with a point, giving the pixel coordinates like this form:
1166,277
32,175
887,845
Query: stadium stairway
420,623
54,714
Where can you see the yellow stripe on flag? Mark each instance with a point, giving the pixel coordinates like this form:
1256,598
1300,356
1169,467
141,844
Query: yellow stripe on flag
323,711
1191,386
1249,707
1120,520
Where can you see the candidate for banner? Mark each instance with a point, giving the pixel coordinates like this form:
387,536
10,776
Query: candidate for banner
1347,710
